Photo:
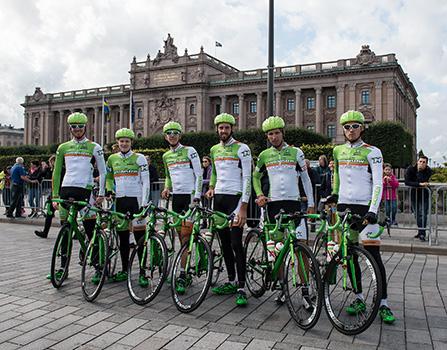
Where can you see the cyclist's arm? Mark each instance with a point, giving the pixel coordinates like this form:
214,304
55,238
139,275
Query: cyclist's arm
98,153
198,172
57,172
376,164
143,170
213,178
244,154
257,175
336,188
109,177
168,181
305,179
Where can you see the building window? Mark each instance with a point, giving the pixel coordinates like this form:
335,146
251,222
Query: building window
140,113
311,127
365,97
253,107
290,104
310,103
331,131
139,135
236,108
192,109
217,109
331,101
36,121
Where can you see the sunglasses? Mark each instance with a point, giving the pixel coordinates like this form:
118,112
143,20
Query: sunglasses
351,126
77,126
172,132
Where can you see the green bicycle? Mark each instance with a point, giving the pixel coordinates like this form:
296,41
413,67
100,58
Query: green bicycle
62,250
348,270
102,251
193,265
293,269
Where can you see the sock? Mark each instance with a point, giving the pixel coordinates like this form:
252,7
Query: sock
384,302
360,296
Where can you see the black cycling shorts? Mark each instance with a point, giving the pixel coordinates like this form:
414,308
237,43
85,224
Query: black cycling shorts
288,206
180,203
127,204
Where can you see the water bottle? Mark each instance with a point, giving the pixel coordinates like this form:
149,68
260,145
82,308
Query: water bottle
271,250
278,247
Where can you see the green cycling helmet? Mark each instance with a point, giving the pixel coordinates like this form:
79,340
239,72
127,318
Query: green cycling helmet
124,132
77,118
352,116
272,123
172,126
224,118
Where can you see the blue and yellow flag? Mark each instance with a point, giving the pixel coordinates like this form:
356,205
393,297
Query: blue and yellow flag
106,108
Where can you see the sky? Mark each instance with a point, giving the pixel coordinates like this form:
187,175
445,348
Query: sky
74,44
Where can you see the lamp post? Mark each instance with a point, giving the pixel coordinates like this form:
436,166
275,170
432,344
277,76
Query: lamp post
270,66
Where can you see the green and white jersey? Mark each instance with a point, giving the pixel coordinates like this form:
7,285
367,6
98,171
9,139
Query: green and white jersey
284,167
358,170
76,156
183,171
231,169
128,174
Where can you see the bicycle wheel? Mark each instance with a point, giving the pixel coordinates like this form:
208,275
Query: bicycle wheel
148,266
169,238
319,249
342,284
302,285
216,249
189,287
257,263
60,259
94,267
113,252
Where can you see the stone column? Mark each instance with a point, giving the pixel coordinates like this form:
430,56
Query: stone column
122,123
96,127
278,109
259,114
352,105
298,109
109,122
318,112
378,102
61,126
242,115
146,117
223,104
200,112
182,112
390,100
340,110
25,125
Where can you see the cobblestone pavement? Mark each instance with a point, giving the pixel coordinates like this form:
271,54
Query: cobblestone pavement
34,315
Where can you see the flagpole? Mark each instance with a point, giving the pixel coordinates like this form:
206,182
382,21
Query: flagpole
102,123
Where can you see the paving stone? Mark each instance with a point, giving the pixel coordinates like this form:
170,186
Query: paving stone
136,337
66,332
259,344
73,341
264,334
30,336
212,340
153,343
418,337
170,332
129,326
105,339
94,318
231,345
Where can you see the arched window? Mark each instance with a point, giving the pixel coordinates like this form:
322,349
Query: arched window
140,113
192,109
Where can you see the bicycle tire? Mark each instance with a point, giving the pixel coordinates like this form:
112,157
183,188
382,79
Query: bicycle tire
319,249
113,252
96,261
201,272
64,233
257,263
169,238
155,261
304,300
338,316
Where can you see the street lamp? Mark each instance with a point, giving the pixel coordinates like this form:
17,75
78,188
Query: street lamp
270,63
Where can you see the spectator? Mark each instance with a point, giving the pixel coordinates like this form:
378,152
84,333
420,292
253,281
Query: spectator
18,178
154,181
5,184
34,173
324,174
315,180
389,194
417,177
207,170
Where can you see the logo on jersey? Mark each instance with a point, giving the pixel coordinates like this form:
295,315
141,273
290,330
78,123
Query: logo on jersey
193,155
376,160
144,167
245,153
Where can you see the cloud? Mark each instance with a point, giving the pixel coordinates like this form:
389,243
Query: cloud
76,44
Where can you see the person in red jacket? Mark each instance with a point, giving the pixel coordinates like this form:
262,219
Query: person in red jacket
389,194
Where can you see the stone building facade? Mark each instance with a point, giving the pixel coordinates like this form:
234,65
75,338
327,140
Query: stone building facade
10,136
192,89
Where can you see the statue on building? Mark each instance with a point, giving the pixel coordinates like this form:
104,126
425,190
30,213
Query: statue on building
170,51
366,56
165,110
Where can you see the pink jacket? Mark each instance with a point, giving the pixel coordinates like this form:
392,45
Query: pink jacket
390,188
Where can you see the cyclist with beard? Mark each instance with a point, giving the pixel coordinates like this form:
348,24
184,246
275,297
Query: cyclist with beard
358,169
230,185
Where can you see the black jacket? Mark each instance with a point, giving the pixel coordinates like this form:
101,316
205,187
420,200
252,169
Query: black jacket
413,178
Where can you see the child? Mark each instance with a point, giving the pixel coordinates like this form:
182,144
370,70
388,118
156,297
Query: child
389,195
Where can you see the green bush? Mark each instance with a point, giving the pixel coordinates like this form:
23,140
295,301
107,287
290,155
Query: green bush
395,142
439,175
